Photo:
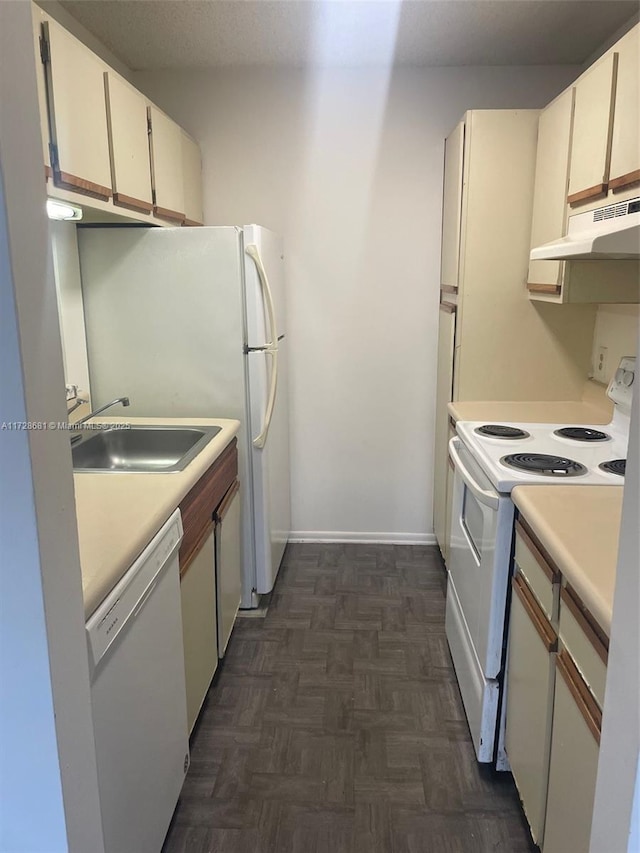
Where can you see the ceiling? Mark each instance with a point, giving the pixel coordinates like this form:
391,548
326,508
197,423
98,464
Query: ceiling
154,34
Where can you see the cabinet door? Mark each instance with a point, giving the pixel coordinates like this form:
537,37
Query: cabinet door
166,164
529,703
192,177
199,626
550,189
77,115
228,566
446,337
592,131
573,767
452,207
128,145
625,146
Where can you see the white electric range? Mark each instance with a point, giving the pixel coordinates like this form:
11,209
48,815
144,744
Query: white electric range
490,459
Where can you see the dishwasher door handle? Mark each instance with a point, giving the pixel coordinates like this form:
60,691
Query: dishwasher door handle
144,599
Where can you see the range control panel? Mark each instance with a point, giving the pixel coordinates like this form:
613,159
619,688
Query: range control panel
620,388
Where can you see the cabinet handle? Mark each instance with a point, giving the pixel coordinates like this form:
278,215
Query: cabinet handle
540,557
226,501
585,620
591,193
625,181
535,614
553,289
582,696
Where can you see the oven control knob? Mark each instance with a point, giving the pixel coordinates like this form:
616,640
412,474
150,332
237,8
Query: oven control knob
627,378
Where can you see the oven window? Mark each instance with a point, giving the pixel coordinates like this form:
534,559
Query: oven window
473,521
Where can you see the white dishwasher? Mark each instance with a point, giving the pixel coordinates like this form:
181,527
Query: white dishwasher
139,698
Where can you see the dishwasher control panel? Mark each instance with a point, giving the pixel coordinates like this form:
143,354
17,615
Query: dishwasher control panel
130,594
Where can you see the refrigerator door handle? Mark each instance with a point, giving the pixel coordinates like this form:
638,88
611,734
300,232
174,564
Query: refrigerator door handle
261,439
254,254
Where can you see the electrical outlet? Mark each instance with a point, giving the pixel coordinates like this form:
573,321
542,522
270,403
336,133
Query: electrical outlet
601,365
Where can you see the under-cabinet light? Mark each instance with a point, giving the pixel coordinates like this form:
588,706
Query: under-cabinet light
59,210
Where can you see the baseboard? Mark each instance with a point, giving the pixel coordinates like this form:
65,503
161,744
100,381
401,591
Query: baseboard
362,538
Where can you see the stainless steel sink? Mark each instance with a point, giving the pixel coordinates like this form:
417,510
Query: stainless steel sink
147,449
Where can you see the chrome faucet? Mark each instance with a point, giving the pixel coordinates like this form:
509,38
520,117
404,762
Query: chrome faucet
123,400
80,401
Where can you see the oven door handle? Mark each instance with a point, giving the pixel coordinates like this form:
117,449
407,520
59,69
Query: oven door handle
484,496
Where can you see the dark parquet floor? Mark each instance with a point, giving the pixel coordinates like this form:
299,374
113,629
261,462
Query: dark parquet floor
336,725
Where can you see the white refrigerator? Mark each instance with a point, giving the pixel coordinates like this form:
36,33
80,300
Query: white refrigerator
190,322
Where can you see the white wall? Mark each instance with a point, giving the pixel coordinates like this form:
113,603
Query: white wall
347,165
617,330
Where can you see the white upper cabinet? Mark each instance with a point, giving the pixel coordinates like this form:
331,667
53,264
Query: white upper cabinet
128,144
592,131
77,114
452,208
550,189
166,165
625,146
192,177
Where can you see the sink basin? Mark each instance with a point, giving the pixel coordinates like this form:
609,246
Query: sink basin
147,449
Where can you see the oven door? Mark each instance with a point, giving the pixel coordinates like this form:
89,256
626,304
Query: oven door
479,555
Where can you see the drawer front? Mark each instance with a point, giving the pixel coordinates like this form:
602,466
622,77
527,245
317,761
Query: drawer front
587,651
198,506
539,575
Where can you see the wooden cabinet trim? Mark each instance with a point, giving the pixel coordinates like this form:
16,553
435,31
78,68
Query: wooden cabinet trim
448,288
165,213
624,182
541,557
555,289
587,623
186,564
449,307
191,223
198,506
227,500
66,181
48,172
535,613
122,200
582,696
591,193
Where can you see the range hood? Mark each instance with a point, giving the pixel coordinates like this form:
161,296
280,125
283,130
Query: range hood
611,232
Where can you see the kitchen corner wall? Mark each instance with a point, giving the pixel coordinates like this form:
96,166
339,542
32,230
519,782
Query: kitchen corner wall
347,166
616,329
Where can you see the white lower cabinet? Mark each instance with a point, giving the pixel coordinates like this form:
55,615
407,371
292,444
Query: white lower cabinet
199,626
532,642
555,679
574,763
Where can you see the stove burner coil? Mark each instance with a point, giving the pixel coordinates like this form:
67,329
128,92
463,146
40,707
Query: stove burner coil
543,463
500,431
614,466
581,434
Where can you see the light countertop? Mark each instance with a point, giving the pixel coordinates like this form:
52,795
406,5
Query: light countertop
593,408
119,513
579,527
